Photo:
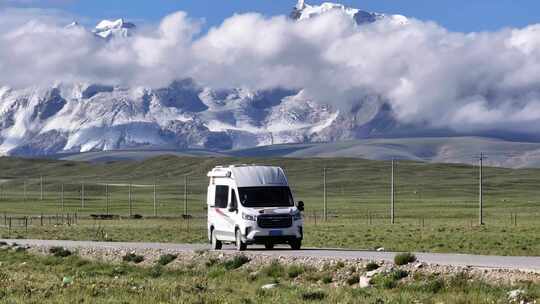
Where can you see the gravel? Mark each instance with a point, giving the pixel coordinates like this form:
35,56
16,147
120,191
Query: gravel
340,269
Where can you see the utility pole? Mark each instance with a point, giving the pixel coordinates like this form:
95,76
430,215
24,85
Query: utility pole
82,195
155,201
185,195
41,188
392,196
62,197
480,190
107,198
129,200
325,197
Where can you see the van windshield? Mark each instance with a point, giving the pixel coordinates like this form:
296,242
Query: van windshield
260,197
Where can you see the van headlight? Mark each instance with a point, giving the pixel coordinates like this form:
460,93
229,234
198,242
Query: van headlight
249,217
297,216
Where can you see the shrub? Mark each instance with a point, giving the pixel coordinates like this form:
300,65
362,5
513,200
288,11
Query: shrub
211,262
353,279
274,270
60,252
316,295
386,282
372,266
399,274
313,276
404,258
327,278
295,271
132,257
432,286
118,271
19,249
166,259
459,281
156,271
236,262
389,280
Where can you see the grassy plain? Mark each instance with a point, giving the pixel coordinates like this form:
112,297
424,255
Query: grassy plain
436,204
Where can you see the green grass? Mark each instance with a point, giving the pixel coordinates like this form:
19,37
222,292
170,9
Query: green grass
404,258
436,204
28,278
166,259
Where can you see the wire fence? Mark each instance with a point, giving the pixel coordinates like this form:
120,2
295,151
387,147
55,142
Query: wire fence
422,193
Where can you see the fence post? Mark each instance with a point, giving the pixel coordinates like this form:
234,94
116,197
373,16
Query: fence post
41,219
9,227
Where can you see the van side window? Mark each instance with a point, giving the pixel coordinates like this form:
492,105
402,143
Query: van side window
222,196
234,202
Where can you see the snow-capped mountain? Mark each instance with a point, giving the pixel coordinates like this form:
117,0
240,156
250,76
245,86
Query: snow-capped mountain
305,11
183,115
80,117
108,29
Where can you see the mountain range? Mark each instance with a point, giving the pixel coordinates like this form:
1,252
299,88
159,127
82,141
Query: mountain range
89,117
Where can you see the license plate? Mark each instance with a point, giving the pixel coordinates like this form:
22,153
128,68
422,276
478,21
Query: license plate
276,232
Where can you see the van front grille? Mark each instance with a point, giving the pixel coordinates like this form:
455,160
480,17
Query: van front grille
274,220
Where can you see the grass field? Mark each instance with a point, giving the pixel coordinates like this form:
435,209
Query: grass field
436,204
29,278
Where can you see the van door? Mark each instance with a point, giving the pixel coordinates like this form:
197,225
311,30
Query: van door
224,223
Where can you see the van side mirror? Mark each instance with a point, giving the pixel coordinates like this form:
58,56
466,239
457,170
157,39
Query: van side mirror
233,207
300,206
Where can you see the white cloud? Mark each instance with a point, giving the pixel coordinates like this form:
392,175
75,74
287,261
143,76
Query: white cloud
477,81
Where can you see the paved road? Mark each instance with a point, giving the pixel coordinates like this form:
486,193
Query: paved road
513,263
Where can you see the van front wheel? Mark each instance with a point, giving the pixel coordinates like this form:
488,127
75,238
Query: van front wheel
296,244
240,246
216,244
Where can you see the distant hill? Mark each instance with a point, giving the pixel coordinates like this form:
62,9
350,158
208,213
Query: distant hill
434,149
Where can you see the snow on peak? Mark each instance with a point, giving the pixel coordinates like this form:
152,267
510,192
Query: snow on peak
304,11
108,29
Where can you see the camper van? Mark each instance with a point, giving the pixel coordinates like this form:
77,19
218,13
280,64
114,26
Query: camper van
251,204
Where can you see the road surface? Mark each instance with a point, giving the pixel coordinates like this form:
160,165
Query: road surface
529,264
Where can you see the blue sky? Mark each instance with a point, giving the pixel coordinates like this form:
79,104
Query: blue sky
456,15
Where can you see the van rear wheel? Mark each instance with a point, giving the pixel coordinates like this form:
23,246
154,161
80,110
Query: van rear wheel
216,244
240,246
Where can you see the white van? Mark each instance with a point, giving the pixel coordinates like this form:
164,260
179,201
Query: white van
249,204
